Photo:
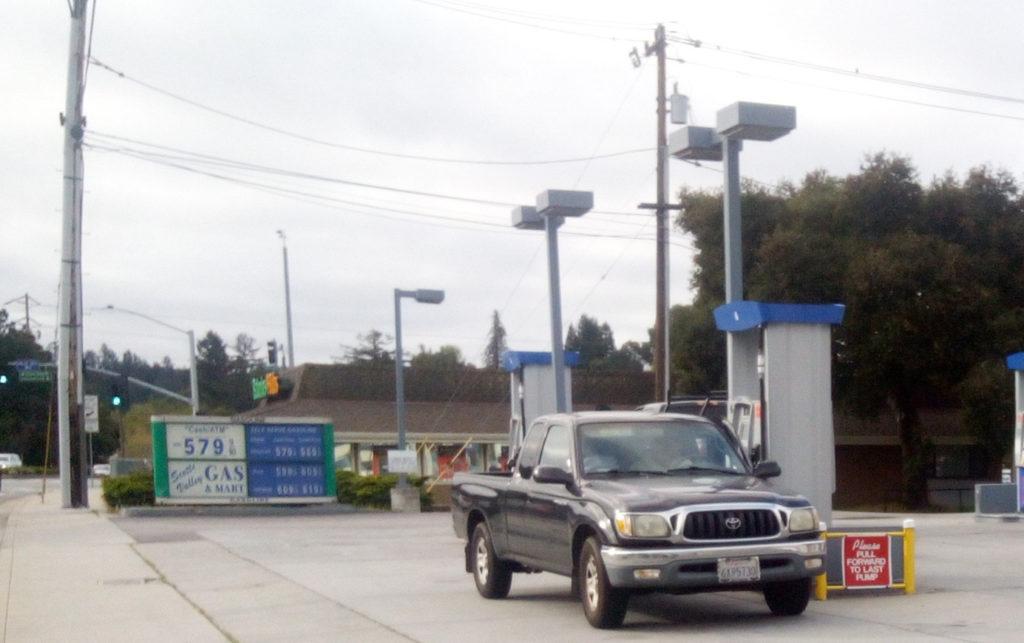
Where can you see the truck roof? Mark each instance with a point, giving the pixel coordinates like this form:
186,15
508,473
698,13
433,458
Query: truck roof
589,417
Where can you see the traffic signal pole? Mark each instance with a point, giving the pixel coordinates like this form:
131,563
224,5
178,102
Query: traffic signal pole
72,445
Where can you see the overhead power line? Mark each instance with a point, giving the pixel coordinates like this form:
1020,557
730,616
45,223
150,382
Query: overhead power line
905,101
854,73
525,19
355,148
186,155
329,201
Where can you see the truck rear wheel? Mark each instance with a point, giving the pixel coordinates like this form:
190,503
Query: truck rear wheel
788,598
603,605
492,575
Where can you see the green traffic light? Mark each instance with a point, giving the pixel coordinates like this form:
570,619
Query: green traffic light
116,400
3,379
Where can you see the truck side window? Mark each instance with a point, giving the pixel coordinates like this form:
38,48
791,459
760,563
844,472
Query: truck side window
531,449
557,449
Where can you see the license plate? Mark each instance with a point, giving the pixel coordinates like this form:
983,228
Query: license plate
739,570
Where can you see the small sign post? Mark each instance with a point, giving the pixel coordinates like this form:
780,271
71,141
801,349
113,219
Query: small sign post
403,461
92,414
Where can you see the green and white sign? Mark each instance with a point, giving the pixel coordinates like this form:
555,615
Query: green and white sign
220,461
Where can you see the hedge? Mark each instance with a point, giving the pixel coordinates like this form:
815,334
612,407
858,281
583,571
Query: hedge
374,491
130,490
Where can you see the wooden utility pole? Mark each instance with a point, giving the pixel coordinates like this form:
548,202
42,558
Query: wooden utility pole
660,347
72,444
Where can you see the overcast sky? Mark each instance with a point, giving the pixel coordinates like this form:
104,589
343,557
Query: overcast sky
477,81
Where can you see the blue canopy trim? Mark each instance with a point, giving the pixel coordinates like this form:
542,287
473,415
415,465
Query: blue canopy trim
1015,362
514,360
745,315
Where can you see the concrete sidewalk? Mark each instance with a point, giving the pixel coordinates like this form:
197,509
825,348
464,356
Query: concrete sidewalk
72,575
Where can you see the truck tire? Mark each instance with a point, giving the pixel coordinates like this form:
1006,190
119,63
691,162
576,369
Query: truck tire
493,576
788,598
603,605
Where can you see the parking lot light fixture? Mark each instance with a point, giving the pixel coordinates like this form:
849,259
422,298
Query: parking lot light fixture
549,213
423,296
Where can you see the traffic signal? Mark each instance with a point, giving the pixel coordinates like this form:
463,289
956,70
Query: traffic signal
3,378
273,384
119,393
272,352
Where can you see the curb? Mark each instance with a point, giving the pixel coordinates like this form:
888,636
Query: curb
238,510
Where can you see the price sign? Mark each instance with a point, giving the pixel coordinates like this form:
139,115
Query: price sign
285,443
206,442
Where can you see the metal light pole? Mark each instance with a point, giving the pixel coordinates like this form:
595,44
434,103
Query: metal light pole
287,300
193,372
735,123
423,296
552,208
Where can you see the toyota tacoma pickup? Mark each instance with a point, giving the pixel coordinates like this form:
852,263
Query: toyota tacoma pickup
631,502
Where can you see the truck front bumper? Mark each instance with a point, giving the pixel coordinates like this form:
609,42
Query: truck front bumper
683,568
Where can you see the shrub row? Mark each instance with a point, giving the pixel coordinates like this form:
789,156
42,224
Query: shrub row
136,489
374,491
130,490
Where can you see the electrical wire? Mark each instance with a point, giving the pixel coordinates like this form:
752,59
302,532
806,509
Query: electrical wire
522,23
906,101
224,162
354,148
286,192
854,73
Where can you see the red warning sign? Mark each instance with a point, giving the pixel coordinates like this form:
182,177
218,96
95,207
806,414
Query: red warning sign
866,561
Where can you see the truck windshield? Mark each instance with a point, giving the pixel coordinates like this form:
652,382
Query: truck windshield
679,447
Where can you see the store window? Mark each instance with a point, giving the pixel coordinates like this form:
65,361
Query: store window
343,457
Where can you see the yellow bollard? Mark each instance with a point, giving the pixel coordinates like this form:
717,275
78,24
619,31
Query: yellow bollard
821,587
909,567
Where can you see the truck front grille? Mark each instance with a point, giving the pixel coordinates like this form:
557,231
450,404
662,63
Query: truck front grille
730,525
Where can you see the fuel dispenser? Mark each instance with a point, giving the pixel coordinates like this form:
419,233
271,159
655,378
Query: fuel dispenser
533,389
1008,497
785,360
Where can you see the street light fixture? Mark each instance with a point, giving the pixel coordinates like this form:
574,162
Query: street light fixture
193,373
423,296
734,124
552,208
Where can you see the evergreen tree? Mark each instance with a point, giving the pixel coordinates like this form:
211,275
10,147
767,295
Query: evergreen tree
496,345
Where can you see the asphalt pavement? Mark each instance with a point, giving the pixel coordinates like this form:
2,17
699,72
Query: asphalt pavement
84,575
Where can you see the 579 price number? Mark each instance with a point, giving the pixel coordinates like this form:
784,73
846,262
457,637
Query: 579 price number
209,446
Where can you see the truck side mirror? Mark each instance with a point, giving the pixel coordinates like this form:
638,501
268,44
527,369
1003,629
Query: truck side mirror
767,469
547,474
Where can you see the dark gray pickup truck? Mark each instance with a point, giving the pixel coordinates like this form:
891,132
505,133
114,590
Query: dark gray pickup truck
632,502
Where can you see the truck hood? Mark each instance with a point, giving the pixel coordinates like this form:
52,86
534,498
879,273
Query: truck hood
663,493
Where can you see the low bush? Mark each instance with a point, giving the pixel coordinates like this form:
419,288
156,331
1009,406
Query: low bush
26,472
374,491
132,490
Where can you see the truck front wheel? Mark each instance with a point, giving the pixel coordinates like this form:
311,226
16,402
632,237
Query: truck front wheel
788,598
603,605
493,576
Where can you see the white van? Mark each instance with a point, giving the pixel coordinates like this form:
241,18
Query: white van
9,460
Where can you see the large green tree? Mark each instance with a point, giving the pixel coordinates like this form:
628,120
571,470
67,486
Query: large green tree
24,406
930,276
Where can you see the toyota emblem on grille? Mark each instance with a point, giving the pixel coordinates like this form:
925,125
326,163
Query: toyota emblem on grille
732,523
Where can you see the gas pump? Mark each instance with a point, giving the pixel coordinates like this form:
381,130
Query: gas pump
532,392
1016,363
786,352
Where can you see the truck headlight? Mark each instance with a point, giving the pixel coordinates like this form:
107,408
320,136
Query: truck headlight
642,525
805,519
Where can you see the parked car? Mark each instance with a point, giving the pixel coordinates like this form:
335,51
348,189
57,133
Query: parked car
100,470
9,460
629,502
